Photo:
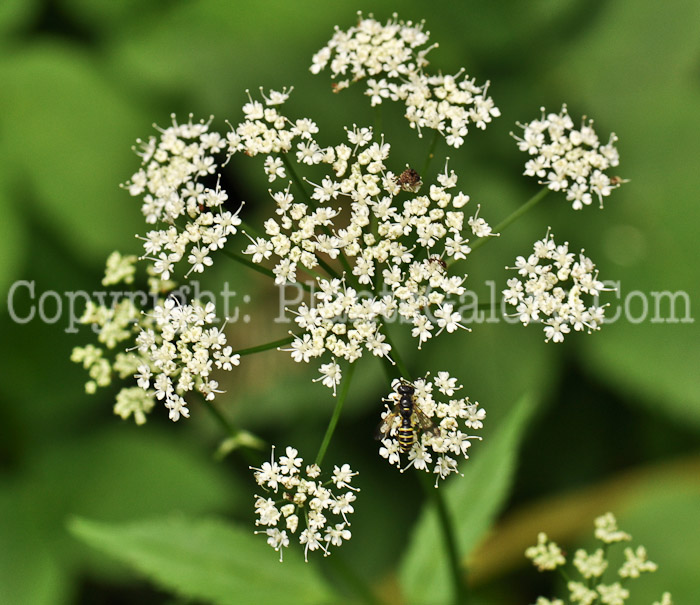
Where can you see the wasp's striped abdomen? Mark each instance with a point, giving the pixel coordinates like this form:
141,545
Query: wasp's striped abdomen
406,435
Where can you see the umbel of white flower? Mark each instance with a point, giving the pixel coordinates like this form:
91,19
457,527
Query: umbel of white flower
182,348
547,555
440,427
556,289
190,216
361,216
569,159
392,57
116,324
301,500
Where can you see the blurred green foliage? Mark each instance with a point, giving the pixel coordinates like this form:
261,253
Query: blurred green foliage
81,80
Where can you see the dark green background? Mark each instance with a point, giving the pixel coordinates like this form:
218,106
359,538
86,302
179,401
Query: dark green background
619,412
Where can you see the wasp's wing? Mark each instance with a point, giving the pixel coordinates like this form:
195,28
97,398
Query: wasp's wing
384,428
424,423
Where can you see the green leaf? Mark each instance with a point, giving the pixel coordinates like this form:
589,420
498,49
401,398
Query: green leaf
28,572
14,15
70,131
473,502
13,236
206,559
121,473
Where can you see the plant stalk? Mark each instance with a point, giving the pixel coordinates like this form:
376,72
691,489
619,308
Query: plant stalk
336,414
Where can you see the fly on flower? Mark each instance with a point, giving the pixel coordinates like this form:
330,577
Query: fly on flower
427,433
406,419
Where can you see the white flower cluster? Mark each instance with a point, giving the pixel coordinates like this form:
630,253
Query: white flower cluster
379,230
301,496
182,347
552,289
438,426
547,555
393,57
606,530
116,324
267,131
569,159
192,221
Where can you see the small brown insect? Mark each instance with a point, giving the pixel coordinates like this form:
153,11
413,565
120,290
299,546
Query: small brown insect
409,180
616,180
437,259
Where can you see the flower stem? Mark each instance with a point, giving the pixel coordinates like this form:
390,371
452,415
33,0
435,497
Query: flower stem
255,267
295,177
431,154
398,360
248,228
378,118
300,184
448,534
327,268
444,518
336,414
265,347
236,438
533,201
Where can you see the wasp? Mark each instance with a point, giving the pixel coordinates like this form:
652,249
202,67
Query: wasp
409,180
412,419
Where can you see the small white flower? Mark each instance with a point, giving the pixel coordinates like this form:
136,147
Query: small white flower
581,594
307,501
342,476
290,464
614,594
546,554
636,563
590,566
393,63
606,530
553,288
572,160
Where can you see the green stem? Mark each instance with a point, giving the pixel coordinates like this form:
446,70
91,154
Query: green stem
225,423
255,267
300,184
444,519
449,537
295,177
533,201
248,263
248,228
431,154
327,268
236,438
266,347
398,360
378,118
336,414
